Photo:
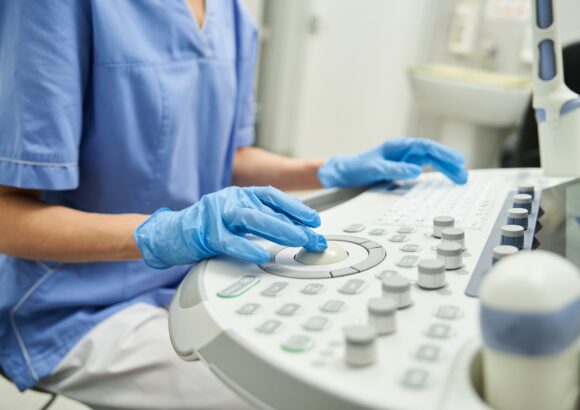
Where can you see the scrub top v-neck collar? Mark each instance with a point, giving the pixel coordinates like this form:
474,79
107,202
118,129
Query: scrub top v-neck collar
200,36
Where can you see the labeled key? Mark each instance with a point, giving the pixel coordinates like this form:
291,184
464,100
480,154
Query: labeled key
240,286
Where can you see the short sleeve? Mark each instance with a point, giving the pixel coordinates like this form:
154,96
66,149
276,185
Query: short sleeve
247,52
45,48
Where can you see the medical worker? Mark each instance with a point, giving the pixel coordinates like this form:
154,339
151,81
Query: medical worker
126,130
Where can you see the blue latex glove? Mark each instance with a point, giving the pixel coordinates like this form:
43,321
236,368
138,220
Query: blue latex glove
218,223
398,158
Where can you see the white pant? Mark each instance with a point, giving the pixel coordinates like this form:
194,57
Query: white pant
127,362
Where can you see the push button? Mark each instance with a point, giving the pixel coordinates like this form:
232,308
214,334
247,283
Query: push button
298,344
448,312
274,289
239,287
333,306
248,309
269,326
353,286
313,289
388,272
429,353
377,232
288,309
398,238
316,324
408,261
415,379
439,331
354,228
410,247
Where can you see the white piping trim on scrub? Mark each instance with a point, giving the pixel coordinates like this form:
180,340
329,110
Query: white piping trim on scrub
40,164
22,300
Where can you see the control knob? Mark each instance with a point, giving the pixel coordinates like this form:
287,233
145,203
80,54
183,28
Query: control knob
361,349
527,189
453,235
382,315
431,274
512,235
503,251
523,201
399,289
440,223
518,216
451,254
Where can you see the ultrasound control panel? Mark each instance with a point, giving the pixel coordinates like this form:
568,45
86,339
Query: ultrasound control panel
386,317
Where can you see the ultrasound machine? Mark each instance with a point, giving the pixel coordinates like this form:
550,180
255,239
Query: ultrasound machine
429,296
294,333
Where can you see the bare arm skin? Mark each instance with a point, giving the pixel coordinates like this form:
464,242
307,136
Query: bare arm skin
34,230
255,166
31,229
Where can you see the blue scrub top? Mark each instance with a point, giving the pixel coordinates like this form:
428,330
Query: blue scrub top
113,107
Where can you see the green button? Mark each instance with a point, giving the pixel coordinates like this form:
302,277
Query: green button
239,287
298,344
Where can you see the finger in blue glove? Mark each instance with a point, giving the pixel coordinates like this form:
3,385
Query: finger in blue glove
395,159
219,222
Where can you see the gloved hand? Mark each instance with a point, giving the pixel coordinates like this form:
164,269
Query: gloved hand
218,223
397,158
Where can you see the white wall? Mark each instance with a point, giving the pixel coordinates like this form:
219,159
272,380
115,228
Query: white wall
333,74
255,8
335,81
355,91
568,13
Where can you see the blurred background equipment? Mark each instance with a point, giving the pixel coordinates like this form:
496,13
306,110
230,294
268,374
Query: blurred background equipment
556,106
337,76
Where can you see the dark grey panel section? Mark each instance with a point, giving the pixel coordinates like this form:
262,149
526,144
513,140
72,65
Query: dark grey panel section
485,260
263,381
332,198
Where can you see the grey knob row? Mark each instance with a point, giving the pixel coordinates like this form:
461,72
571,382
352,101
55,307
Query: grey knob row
361,349
512,234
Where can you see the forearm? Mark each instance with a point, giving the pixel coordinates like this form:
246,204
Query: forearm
255,166
33,230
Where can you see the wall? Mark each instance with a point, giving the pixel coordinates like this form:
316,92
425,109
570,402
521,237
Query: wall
334,73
